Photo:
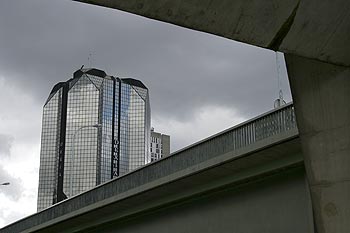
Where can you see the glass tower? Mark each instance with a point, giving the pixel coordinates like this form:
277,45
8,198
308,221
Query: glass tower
95,127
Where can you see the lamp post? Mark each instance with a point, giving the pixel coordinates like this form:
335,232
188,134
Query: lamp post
73,156
6,183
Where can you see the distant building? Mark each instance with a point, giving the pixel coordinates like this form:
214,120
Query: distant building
95,127
160,145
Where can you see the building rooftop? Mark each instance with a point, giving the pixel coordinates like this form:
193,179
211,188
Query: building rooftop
96,72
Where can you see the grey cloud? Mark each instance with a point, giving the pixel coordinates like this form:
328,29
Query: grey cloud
6,142
45,41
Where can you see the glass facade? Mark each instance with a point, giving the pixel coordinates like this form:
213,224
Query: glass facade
49,151
98,129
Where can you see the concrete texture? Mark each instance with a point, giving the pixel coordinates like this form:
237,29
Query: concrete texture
166,145
186,177
310,28
321,94
274,205
264,180
317,30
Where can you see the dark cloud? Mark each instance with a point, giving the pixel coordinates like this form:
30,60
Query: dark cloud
199,83
5,144
43,42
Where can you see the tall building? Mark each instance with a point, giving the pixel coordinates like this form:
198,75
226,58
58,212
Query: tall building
95,127
160,145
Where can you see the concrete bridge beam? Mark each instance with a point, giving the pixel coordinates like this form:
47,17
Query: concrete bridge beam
321,94
309,28
315,37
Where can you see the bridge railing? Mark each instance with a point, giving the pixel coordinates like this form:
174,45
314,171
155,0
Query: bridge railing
271,124
261,127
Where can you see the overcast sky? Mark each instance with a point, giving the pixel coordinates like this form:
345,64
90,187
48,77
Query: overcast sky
199,84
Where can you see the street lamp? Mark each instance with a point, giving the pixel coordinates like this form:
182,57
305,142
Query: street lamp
73,156
6,183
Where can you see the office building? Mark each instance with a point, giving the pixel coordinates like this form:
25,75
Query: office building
160,145
95,127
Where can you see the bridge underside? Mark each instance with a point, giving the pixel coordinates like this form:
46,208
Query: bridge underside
314,35
233,208
313,29
258,188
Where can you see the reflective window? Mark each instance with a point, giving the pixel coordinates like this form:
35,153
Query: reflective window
94,140
49,151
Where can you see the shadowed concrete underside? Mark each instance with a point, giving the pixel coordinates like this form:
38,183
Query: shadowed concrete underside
315,36
248,178
261,188
313,29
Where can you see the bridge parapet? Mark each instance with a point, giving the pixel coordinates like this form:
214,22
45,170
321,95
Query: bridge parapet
274,122
231,152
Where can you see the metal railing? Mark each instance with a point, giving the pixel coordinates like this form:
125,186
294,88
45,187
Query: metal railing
273,123
261,127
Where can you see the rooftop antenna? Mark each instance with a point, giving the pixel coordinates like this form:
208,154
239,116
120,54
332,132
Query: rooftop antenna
280,101
90,59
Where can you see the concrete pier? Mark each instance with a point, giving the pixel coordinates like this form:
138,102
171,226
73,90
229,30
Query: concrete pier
321,94
315,37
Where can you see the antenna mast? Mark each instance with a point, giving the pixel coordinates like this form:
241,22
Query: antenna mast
279,102
90,59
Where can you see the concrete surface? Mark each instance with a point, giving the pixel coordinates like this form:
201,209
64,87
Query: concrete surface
321,94
313,29
317,30
276,204
310,28
268,175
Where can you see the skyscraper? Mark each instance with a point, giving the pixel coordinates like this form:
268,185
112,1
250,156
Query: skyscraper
95,127
160,145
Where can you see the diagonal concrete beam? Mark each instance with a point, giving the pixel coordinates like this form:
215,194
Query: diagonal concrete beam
321,94
314,29
315,36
